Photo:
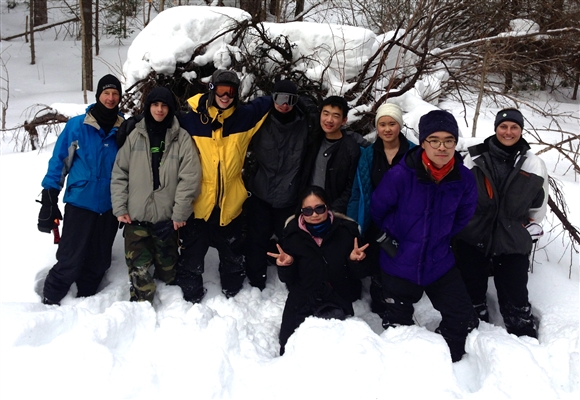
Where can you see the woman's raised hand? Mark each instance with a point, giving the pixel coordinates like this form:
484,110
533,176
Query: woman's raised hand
358,253
282,259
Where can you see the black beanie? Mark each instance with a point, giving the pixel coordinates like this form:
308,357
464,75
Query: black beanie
108,82
285,86
437,121
163,95
509,114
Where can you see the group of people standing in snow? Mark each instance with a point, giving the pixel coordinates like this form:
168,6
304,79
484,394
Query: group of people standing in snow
280,180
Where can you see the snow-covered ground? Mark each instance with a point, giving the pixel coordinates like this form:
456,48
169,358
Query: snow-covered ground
105,347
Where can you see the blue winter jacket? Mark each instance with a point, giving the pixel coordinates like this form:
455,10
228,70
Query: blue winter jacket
84,155
422,216
362,188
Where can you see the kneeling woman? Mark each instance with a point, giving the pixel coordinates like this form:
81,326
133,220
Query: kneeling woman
319,263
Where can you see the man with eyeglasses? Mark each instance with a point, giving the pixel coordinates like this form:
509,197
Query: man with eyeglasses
272,172
222,129
420,204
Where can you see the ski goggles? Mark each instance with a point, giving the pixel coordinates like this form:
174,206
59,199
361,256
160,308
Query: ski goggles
285,98
225,90
308,211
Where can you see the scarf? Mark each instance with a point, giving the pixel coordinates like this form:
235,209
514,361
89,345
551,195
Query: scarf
106,118
305,227
437,173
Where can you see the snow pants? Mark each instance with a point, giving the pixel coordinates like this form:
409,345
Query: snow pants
84,253
196,238
262,222
510,275
448,295
142,250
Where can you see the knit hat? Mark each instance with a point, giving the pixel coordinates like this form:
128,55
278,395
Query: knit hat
390,110
108,82
163,95
437,121
509,114
285,86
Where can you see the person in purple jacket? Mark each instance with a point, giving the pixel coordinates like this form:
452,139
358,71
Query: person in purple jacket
420,205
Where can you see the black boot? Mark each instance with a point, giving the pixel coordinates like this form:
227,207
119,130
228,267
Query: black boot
192,286
519,320
49,302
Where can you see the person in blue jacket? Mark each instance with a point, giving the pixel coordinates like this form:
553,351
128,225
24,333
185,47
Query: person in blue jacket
375,160
421,203
83,156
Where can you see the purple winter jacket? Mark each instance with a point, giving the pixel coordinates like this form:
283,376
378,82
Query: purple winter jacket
422,216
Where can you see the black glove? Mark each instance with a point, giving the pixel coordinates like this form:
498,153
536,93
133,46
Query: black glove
126,128
49,211
163,229
388,244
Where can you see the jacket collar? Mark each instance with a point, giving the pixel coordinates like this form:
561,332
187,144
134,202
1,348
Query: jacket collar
173,130
90,120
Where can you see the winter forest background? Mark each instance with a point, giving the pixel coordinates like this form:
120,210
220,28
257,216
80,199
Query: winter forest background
470,58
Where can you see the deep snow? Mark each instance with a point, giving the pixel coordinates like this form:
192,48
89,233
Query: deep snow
105,347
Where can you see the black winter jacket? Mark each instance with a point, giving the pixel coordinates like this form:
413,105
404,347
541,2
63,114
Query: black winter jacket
275,160
340,169
498,226
320,274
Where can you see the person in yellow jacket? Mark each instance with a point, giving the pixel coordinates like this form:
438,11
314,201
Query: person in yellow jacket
222,129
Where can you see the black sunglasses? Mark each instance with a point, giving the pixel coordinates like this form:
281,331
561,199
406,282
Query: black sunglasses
319,209
285,98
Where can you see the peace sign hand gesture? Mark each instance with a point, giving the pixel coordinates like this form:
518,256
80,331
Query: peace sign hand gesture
358,253
282,259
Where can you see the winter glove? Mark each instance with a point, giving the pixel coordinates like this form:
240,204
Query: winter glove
535,231
126,128
49,211
163,230
388,244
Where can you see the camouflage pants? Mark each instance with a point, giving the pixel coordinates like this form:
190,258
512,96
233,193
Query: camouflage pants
143,250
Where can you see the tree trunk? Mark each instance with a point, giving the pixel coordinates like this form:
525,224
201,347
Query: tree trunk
87,40
31,26
299,9
254,8
40,12
481,89
97,49
575,93
509,81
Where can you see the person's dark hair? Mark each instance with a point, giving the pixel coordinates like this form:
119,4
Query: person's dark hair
311,190
336,101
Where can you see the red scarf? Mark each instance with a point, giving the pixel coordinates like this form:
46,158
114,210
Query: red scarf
437,173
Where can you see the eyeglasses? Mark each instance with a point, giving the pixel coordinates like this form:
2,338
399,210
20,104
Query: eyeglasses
448,143
285,98
319,209
223,90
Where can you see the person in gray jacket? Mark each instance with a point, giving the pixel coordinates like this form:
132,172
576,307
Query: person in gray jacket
156,178
512,186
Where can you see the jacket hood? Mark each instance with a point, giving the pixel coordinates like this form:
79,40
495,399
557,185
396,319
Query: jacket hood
163,95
